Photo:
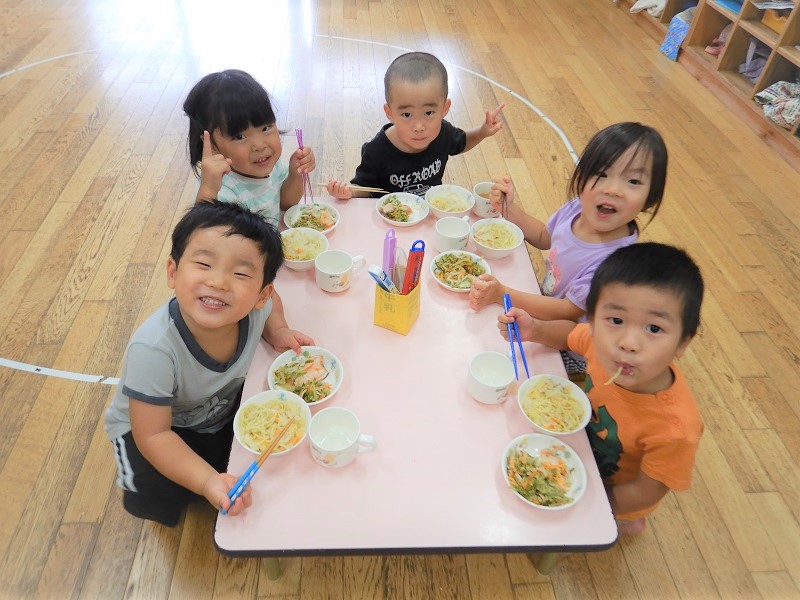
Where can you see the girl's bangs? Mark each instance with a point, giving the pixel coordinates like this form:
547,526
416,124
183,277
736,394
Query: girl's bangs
242,108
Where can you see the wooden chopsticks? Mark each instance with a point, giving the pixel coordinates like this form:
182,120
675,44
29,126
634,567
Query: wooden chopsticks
359,188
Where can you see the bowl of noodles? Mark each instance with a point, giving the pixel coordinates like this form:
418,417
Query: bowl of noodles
301,246
318,216
449,200
543,471
315,374
262,416
495,238
554,405
454,270
401,209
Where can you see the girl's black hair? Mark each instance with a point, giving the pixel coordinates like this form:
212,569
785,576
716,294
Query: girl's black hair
657,266
239,221
609,144
230,101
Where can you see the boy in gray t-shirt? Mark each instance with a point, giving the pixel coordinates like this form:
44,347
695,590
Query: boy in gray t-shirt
171,417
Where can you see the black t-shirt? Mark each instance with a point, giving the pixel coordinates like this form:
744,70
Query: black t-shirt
383,165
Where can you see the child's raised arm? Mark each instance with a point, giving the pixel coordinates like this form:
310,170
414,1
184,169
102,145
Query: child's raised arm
213,167
549,333
487,290
533,230
301,163
341,190
488,128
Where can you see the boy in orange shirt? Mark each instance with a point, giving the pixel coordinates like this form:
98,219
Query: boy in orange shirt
644,309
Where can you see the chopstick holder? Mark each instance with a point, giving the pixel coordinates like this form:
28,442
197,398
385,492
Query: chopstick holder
248,475
513,335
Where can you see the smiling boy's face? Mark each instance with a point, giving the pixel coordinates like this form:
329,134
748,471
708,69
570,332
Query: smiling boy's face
638,329
218,280
416,110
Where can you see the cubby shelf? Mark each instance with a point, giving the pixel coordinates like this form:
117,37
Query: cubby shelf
721,73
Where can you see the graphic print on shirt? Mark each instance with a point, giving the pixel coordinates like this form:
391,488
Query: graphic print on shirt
410,182
603,437
214,410
552,273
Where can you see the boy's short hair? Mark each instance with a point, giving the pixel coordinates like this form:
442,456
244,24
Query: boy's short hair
239,221
653,265
414,67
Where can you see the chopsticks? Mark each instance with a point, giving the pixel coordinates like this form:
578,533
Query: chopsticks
307,189
244,480
513,335
359,188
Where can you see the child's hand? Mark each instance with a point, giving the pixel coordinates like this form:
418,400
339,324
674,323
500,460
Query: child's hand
339,190
213,167
289,339
501,187
492,124
216,492
302,161
525,322
485,290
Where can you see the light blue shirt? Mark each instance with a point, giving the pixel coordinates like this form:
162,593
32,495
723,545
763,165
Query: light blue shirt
262,196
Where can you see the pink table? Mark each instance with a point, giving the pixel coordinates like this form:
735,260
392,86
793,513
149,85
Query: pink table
434,483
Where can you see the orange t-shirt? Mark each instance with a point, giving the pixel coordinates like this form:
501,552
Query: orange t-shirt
656,434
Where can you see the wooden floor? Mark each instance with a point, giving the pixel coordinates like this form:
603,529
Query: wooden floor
94,175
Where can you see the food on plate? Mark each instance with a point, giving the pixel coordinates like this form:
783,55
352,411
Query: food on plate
457,270
392,208
449,202
315,216
552,406
544,479
259,423
301,245
305,376
495,235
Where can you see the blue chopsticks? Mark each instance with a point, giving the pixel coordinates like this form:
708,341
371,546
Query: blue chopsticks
244,480
513,335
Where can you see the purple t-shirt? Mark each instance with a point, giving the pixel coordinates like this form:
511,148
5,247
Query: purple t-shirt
572,262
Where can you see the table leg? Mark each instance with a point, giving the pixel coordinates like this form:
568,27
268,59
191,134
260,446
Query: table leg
545,563
273,568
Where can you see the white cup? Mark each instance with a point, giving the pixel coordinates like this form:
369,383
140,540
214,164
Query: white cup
336,437
483,208
452,233
490,377
334,269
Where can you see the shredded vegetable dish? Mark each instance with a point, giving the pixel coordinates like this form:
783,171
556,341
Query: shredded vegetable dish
299,245
393,209
457,270
315,216
496,235
543,480
450,202
305,376
260,422
552,406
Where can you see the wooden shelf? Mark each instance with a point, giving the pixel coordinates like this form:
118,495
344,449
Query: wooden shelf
721,73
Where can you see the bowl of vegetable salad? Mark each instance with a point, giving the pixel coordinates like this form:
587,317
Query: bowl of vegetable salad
495,238
319,216
455,269
543,471
301,245
315,374
401,209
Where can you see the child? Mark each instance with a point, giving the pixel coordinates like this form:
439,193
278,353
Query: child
410,153
170,420
621,173
234,140
644,309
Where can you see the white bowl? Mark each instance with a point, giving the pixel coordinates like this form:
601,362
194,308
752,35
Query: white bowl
293,213
328,359
418,206
538,445
439,191
288,404
291,236
556,389
473,258
488,251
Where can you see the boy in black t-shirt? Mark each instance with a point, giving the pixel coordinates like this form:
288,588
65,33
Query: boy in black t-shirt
409,153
